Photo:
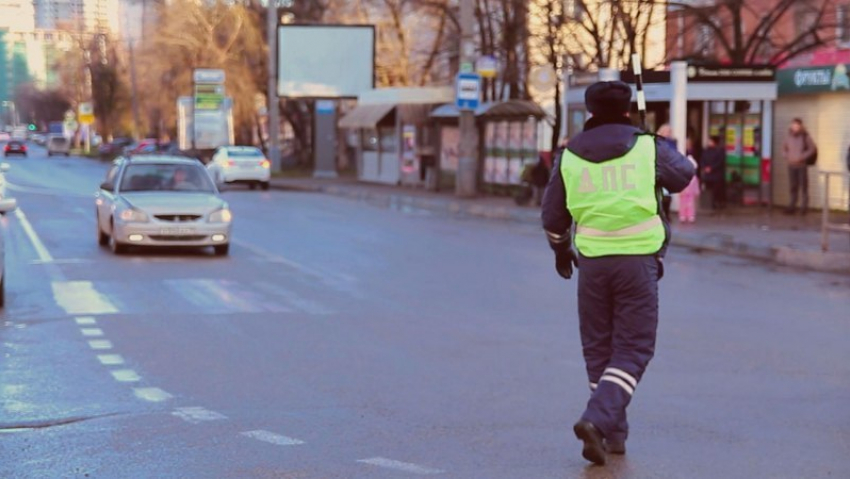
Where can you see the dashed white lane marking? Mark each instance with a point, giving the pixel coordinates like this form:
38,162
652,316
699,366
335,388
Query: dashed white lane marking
85,320
92,332
272,438
110,359
40,250
152,394
400,466
125,375
80,297
100,344
197,415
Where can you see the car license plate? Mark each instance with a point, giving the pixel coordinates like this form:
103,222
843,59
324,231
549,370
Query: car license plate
176,231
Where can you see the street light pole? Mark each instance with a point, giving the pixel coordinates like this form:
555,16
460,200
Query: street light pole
274,103
467,168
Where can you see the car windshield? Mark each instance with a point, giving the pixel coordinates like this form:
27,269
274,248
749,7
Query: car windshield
239,154
166,177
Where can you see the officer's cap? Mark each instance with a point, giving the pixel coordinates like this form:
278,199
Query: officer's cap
608,98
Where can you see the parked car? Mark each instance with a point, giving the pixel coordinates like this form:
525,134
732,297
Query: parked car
6,205
114,147
58,145
240,164
161,200
15,147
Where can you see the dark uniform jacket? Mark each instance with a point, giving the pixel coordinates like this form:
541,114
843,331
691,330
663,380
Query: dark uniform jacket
603,140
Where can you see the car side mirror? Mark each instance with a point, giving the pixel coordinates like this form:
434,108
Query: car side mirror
106,186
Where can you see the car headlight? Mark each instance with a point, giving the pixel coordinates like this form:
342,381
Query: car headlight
132,215
221,216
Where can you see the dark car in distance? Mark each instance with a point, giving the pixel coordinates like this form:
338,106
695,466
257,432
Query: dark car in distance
114,147
15,147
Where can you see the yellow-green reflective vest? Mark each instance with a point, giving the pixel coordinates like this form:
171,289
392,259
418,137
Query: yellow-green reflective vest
614,203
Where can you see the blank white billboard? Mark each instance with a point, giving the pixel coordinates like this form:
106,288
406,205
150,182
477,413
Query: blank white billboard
325,61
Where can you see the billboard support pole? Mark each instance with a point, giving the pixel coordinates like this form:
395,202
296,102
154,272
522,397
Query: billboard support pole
467,169
273,102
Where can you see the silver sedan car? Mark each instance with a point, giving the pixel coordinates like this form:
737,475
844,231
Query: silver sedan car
159,200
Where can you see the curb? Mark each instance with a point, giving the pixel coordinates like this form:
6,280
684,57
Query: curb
719,243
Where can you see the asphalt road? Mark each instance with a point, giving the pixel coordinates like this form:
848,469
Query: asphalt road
344,340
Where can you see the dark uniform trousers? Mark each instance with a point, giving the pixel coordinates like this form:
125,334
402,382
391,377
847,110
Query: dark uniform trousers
618,315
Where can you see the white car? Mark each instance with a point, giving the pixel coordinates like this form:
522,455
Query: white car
58,145
6,205
240,164
161,200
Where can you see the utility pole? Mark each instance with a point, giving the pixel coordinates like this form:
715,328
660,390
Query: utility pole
467,167
134,91
274,103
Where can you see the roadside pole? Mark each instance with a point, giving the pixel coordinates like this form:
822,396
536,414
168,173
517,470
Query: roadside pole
134,92
467,168
274,103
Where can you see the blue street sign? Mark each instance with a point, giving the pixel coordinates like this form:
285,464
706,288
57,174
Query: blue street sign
468,91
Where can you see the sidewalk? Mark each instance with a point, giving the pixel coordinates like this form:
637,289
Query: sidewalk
750,233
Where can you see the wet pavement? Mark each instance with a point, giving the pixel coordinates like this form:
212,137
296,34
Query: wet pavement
345,340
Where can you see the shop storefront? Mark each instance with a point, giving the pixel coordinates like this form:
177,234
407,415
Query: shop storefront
507,142
820,96
392,135
734,103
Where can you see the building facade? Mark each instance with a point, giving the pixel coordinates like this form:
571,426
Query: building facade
813,85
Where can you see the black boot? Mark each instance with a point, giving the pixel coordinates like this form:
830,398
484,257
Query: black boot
594,450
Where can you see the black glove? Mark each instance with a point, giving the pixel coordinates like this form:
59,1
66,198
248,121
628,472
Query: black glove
565,259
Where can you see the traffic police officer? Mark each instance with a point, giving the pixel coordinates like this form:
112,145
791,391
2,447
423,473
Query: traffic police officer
608,182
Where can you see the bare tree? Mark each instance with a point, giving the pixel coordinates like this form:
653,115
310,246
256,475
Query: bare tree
750,32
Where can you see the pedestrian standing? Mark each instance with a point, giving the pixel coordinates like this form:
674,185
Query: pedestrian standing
799,149
689,197
608,183
714,172
665,132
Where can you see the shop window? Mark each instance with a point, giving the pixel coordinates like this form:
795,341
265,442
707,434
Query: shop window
369,140
805,17
388,139
842,21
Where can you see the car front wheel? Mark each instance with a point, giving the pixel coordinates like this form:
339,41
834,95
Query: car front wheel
102,238
115,246
222,249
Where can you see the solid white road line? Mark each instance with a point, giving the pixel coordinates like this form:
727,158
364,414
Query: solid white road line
152,394
85,321
80,297
125,375
100,344
400,466
43,255
92,332
110,359
272,438
197,415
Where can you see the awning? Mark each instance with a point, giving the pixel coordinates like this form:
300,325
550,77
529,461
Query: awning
366,116
493,110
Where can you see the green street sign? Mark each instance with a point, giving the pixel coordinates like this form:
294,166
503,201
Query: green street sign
813,79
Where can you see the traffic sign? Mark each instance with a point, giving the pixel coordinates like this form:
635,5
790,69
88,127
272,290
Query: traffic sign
86,115
487,66
468,91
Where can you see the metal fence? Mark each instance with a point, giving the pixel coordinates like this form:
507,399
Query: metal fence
826,225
